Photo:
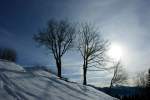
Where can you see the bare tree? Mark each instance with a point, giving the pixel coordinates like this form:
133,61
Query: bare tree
143,79
148,79
58,38
92,48
119,76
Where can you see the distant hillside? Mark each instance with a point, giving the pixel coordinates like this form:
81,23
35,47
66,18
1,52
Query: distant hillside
120,90
16,83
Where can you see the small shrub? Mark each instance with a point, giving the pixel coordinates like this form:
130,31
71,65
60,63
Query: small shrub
8,54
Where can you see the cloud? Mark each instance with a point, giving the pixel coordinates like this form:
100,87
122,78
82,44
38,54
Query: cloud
5,32
124,21
6,37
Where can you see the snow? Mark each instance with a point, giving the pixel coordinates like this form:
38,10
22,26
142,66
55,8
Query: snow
4,64
18,84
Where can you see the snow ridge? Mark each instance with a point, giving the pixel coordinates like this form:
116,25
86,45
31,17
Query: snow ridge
18,84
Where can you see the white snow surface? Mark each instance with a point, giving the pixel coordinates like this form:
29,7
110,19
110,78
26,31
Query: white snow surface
18,84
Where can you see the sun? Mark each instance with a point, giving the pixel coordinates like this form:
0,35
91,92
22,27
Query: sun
115,52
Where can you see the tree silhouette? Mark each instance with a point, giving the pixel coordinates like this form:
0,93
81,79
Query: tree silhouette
58,38
141,80
8,54
92,48
119,76
148,79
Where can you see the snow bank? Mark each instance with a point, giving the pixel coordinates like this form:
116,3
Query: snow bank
7,65
18,84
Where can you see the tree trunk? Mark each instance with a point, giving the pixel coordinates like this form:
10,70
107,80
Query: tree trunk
84,77
111,84
84,74
58,63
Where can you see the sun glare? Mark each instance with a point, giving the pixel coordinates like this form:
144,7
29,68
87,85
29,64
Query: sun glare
115,52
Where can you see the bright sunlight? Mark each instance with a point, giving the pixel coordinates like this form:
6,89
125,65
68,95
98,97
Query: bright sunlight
115,52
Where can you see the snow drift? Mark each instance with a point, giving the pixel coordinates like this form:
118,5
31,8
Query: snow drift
18,84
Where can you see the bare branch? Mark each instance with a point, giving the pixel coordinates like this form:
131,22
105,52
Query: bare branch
120,76
58,38
92,48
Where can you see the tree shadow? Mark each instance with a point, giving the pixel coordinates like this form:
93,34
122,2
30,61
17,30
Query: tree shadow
13,89
49,89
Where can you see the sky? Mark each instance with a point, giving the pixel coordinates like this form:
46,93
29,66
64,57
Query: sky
123,22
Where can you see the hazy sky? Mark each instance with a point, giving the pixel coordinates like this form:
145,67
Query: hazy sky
123,22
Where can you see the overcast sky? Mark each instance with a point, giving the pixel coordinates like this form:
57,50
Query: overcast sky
123,22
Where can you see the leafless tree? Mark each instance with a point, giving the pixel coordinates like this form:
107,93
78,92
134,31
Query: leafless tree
58,38
148,79
141,80
119,76
92,48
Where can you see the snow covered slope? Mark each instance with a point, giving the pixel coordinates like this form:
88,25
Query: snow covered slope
18,84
